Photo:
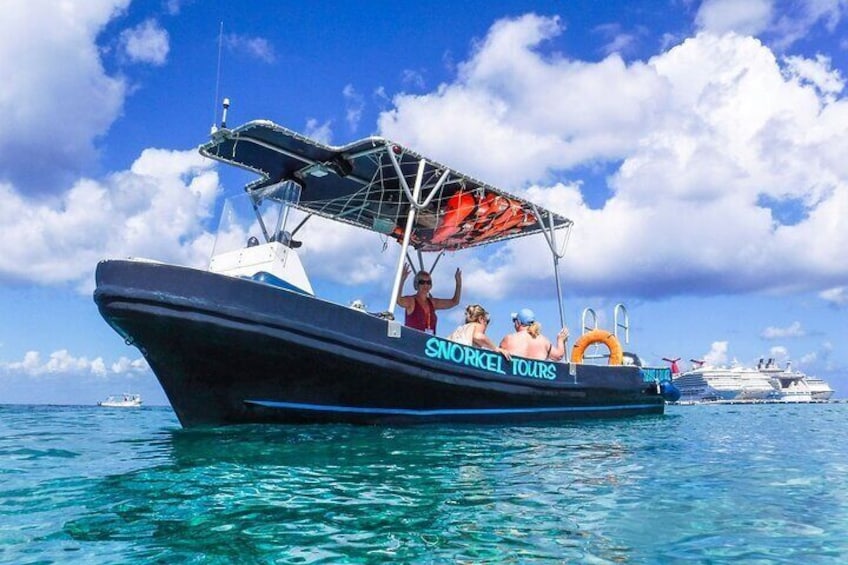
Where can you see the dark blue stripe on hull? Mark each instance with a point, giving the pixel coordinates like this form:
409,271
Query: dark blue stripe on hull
445,412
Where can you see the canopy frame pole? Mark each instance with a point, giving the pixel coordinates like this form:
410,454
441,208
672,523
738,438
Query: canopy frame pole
556,253
259,218
410,222
421,260
413,197
435,261
559,292
300,225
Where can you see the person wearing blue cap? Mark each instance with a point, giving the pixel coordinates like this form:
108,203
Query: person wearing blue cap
528,341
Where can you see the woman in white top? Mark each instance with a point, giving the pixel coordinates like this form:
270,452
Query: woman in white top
473,332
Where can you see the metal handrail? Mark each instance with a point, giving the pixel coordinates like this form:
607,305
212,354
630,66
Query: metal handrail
587,328
625,325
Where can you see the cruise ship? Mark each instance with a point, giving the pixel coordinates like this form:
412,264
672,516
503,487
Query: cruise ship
794,386
709,383
767,383
819,388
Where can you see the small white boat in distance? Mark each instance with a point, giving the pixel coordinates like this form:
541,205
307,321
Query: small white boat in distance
125,400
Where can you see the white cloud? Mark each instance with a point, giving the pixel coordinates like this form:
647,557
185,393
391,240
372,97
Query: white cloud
343,254
817,72
156,209
319,132
146,43
838,296
747,17
516,114
257,47
354,104
779,353
792,330
173,7
822,357
809,358
779,22
717,354
125,365
710,143
61,362
413,79
798,18
695,139
619,41
48,53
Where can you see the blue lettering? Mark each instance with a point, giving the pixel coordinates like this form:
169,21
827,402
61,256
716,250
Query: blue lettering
446,349
533,369
494,363
521,367
432,347
472,357
454,349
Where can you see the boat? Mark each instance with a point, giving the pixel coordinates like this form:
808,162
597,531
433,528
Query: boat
768,382
706,383
247,340
794,386
126,400
820,389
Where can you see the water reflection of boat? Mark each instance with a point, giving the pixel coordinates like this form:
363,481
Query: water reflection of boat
126,400
248,340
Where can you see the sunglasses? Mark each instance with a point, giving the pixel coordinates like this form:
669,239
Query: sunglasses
425,281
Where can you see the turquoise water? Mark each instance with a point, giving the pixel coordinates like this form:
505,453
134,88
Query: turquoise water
702,484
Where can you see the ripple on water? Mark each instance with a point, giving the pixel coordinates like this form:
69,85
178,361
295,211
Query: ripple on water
706,484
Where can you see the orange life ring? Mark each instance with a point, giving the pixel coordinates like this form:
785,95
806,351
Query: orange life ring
598,336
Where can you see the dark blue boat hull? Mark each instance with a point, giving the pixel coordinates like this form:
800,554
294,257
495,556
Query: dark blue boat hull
230,351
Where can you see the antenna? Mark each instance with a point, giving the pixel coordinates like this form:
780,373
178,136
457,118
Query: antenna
217,79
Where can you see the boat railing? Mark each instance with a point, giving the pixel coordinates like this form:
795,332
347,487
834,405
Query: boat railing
594,323
589,322
624,324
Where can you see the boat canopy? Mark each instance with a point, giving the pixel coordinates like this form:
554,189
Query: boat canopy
377,184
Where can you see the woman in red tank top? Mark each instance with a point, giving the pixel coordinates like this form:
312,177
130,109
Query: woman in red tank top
421,307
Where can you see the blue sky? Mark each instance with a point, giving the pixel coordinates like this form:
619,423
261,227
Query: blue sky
699,147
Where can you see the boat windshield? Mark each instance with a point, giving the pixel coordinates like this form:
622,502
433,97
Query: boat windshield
255,218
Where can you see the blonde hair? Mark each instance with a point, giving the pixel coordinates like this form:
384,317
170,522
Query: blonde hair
474,313
534,329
